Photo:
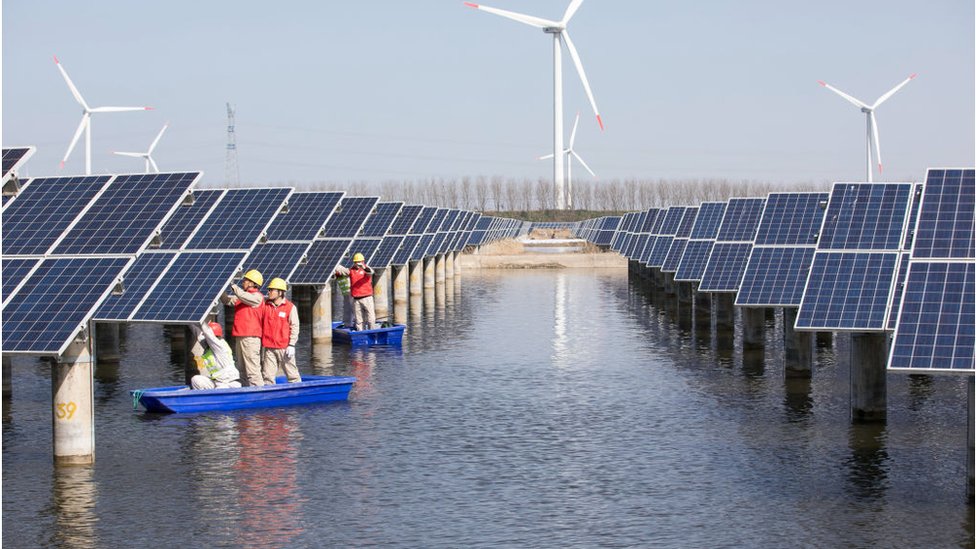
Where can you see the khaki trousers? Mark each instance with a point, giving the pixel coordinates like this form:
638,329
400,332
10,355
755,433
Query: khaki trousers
271,359
365,311
248,351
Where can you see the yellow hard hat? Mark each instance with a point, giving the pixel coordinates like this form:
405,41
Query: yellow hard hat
278,284
254,276
357,257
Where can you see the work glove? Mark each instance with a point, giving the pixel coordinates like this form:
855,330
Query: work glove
290,351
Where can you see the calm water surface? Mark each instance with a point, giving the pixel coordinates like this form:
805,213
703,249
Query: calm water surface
526,409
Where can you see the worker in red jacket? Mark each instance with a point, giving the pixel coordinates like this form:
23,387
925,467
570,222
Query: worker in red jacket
279,334
248,302
361,282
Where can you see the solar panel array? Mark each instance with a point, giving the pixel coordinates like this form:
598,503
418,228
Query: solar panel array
693,261
727,262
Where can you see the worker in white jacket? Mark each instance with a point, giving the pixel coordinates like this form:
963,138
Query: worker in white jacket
214,359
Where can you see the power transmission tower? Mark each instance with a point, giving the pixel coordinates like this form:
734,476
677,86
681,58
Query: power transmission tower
232,174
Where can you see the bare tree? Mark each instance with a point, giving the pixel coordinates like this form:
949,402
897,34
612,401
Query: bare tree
525,190
511,195
451,194
544,194
466,192
481,193
496,192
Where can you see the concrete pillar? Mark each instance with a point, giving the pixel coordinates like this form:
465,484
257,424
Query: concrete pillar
456,261
449,265
429,275
724,311
869,392
8,376
400,301
416,308
971,460
416,278
753,322
322,315
685,293
107,341
703,310
381,295
189,365
73,412
825,339
797,346
440,269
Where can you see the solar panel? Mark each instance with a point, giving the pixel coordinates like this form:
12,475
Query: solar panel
402,256
791,219
865,216
388,248
673,259
406,218
937,325
42,212
427,215
323,257
348,218
14,158
127,214
848,291
647,250
945,223
741,220
660,251
687,222
725,267
672,219
56,302
306,215
419,252
137,280
775,276
239,219
437,221
365,246
190,287
276,259
709,220
14,272
378,222
187,218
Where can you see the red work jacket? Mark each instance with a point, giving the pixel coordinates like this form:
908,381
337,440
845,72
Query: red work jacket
247,319
362,283
276,331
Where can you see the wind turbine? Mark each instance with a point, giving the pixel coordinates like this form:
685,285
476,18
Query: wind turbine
147,156
558,31
571,154
872,124
86,119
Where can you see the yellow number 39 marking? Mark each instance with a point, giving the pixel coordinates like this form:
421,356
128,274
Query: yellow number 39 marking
66,410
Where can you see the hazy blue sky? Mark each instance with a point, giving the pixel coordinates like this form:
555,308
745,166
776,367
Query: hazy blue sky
377,91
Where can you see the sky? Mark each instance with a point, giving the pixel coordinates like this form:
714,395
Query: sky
344,92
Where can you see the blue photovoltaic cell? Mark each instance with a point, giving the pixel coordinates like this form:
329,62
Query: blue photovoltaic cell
694,260
190,287
348,219
408,215
42,212
323,257
239,219
898,290
435,245
136,281
673,258
478,236
660,251
791,219
741,220
775,277
306,215
647,250
388,248
437,221
866,216
937,326
14,157
378,223
402,257
672,219
14,271
708,220
848,291
55,303
450,218
419,252
365,246
725,267
945,223
186,219
126,216
639,244
276,259
427,215
687,222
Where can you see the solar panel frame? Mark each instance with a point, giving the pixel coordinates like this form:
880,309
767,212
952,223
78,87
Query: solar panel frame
848,291
323,257
307,214
866,216
775,276
239,220
945,227
137,280
898,289
726,265
14,158
348,220
190,288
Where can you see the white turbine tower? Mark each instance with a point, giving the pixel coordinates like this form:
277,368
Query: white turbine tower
571,153
147,156
559,32
872,124
86,115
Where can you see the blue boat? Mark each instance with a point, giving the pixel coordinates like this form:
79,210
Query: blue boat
180,398
391,335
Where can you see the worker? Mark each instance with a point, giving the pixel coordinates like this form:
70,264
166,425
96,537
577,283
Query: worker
248,302
279,333
361,288
347,303
214,359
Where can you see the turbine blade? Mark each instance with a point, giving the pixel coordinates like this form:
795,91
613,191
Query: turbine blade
892,91
120,109
572,136
520,17
856,102
159,135
877,144
546,157
571,11
580,158
71,85
153,162
582,74
74,140
132,154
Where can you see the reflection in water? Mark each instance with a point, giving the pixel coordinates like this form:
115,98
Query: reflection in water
268,479
560,340
868,464
798,400
920,390
754,362
361,364
323,364
74,496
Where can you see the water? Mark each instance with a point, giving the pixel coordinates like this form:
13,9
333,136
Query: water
535,409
